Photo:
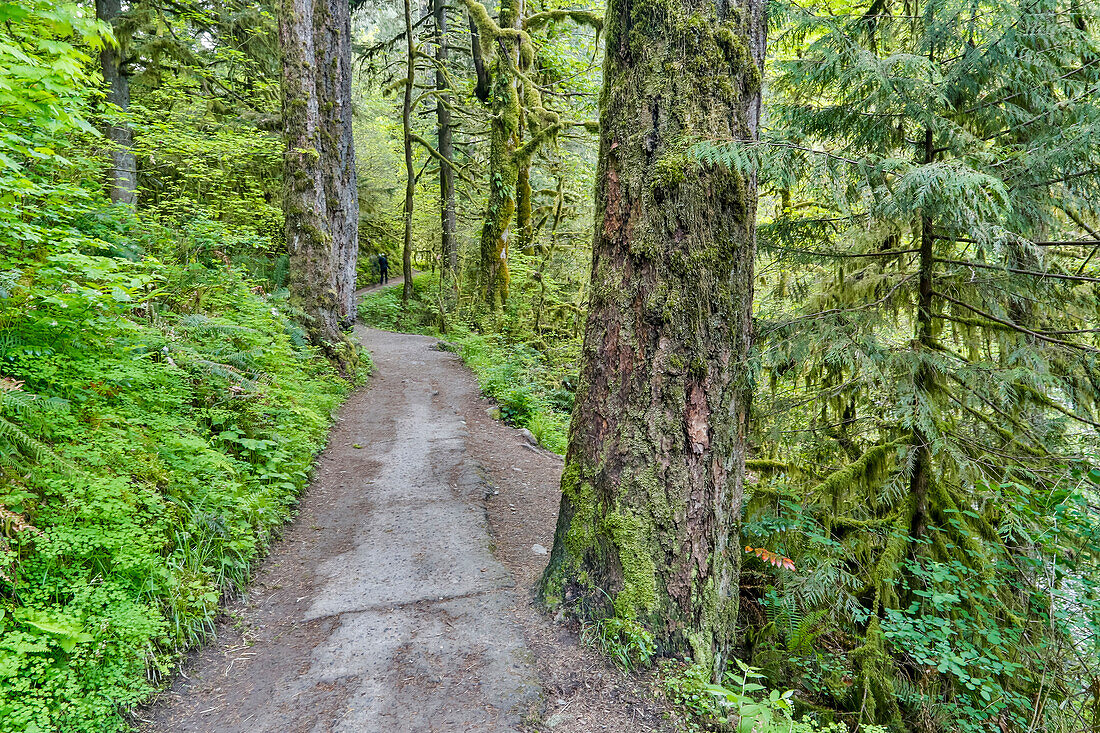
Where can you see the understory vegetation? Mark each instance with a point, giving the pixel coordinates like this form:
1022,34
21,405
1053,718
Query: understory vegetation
159,406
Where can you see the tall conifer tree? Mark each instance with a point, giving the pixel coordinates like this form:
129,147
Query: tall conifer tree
651,493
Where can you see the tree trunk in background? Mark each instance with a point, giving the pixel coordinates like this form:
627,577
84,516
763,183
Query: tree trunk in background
653,479
503,163
309,241
481,88
449,247
332,39
410,175
524,231
122,186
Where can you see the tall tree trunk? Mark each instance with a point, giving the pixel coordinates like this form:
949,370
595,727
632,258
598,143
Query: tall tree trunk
449,247
122,186
653,479
309,242
922,464
524,230
503,162
410,175
332,29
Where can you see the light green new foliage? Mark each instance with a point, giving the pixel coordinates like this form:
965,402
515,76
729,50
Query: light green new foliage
159,412
192,420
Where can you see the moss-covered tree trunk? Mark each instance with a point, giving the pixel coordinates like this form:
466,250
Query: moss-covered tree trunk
652,487
310,244
525,232
449,245
122,183
410,174
332,30
504,105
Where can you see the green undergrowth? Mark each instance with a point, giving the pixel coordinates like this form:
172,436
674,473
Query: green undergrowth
532,382
741,704
159,415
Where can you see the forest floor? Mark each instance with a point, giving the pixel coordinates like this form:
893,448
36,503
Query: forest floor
402,596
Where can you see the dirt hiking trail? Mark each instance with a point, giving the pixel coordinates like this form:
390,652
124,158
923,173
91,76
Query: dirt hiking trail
401,598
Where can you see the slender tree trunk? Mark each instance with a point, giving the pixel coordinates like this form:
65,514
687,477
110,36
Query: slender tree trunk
922,465
449,247
122,186
332,29
524,233
410,175
653,479
309,241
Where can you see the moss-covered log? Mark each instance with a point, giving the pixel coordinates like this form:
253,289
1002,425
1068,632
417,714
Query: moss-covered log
652,488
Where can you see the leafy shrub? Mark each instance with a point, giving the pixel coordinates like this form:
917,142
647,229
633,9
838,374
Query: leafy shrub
160,421
741,704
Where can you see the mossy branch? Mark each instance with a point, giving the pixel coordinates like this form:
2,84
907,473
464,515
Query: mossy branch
588,18
488,30
443,161
870,462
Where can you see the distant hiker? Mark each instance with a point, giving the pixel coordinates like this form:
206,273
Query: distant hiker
383,269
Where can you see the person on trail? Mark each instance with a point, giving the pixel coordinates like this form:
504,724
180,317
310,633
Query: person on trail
383,269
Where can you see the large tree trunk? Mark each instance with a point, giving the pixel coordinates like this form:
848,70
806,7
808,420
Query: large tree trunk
449,248
332,29
309,241
122,186
652,487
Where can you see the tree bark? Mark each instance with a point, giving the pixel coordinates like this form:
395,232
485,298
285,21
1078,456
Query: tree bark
309,242
524,230
410,174
332,29
448,245
504,103
122,184
653,479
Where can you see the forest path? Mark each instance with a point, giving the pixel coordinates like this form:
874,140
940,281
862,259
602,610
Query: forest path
394,281
401,597
383,608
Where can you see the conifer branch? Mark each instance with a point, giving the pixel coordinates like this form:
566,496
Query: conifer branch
1035,273
1013,326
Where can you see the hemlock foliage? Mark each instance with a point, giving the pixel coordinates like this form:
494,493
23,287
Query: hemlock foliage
926,421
